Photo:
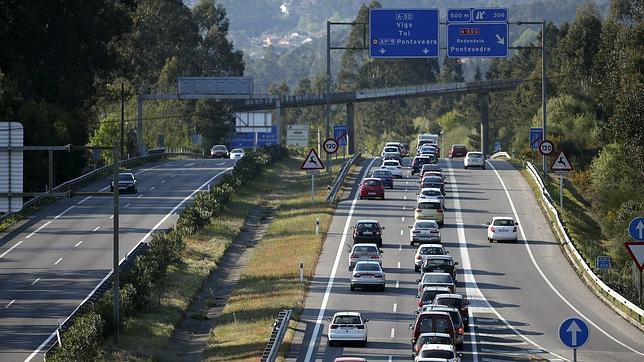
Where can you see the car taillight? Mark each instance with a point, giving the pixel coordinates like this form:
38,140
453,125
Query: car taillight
359,326
378,275
357,275
375,257
434,231
418,210
418,257
415,231
420,303
334,326
440,211
492,229
353,257
515,229
460,330
417,347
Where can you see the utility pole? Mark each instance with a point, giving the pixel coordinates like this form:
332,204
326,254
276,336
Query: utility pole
544,94
115,273
122,117
327,107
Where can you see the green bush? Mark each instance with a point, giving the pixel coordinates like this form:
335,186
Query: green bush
82,340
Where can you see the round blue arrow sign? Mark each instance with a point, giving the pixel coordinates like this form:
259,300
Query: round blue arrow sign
636,229
574,332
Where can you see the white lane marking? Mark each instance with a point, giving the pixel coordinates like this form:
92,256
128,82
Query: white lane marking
140,196
403,207
53,334
111,216
126,205
35,281
403,219
152,188
401,231
393,332
543,276
173,176
406,182
329,285
9,304
11,248
395,307
406,189
398,265
390,358
58,261
78,243
471,286
162,181
37,230
96,228
400,247
397,283
405,197
221,163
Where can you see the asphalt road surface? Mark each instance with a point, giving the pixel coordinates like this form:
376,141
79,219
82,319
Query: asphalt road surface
520,293
51,263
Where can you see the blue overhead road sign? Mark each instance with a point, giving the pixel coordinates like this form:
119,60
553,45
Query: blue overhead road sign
459,15
536,137
481,40
636,229
574,332
403,33
489,15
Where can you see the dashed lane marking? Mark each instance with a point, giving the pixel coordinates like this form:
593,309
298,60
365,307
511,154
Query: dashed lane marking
11,248
9,304
96,228
35,281
58,261
78,243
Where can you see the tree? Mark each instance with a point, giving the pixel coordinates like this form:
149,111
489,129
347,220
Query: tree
107,134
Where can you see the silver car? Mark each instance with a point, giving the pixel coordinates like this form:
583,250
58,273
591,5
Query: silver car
368,274
436,279
369,252
431,193
424,231
426,250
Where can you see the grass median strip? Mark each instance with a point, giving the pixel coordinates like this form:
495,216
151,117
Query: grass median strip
270,281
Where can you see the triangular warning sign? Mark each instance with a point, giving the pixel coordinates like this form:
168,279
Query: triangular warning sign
312,161
636,249
561,163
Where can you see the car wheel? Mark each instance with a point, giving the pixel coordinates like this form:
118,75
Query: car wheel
331,343
465,167
416,268
383,198
382,289
364,343
490,239
516,241
353,287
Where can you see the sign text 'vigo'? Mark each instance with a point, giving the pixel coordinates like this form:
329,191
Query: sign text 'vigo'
403,33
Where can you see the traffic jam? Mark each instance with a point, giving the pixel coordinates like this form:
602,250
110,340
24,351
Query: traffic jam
442,315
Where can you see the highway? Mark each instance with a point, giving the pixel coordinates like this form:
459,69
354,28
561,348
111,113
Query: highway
519,293
51,263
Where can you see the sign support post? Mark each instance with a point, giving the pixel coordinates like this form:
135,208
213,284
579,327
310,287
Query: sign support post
313,187
561,191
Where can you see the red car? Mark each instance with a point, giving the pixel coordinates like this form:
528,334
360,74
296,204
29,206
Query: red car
457,151
371,188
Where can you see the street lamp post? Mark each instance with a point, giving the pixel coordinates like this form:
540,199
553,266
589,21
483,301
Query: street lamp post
122,144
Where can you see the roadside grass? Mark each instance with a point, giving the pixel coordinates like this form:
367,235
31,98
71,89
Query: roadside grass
270,281
147,334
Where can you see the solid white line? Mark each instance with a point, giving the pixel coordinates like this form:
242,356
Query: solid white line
111,216
400,247
406,189
58,261
96,228
35,281
329,285
397,283
401,232
152,188
471,286
9,304
403,207
126,205
393,332
37,230
78,243
11,248
221,163
405,197
395,307
403,219
140,196
53,334
543,276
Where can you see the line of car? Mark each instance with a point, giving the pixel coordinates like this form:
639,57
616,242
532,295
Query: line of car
221,151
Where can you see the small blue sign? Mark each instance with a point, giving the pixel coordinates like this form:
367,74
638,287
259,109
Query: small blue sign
403,33
481,40
636,229
459,15
574,332
536,137
489,15
340,134
603,262
497,146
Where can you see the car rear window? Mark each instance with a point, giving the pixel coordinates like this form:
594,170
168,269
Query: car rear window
367,267
365,249
373,183
443,324
391,149
503,222
219,148
432,193
439,262
367,226
426,225
429,205
440,278
391,163
126,177
429,295
450,302
382,173
237,150
475,155
437,354
347,320
434,340
421,160
431,251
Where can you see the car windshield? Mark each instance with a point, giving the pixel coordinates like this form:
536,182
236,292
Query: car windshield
432,193
433,250
429,205
237,150
373,183
450,302
434,340
367,226
126,177
391,149
503,222
439,262
437,354
426,225
367,267
438,278
219,148
365,249
347,319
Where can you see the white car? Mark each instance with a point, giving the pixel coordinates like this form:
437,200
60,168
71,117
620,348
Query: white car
348,327
236,153
426,250
474,159
393,166
431,193
437,352
424,231
502,228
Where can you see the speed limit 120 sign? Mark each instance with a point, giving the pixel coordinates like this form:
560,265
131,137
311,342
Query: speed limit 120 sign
546,147
330,146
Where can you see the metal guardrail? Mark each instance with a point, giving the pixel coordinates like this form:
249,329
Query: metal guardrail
624,306
340,178
277,335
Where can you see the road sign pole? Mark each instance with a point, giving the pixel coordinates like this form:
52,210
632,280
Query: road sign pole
327,108
574,355
313,188
561,192
543,95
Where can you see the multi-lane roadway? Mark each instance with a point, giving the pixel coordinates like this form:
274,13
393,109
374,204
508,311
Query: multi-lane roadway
51,263
519,293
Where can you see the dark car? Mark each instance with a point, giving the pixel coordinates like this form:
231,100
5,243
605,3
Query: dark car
439,264
457,151
385,176
434,182
455,301
428,294
371,187
127,183
367,231
219,151
418,162
457,320
432,322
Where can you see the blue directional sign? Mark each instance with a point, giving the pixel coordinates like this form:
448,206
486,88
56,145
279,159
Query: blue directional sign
536,137
481,40
636,229
574,332
489,15
247,139
459,15
603,262
403,33
340,134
